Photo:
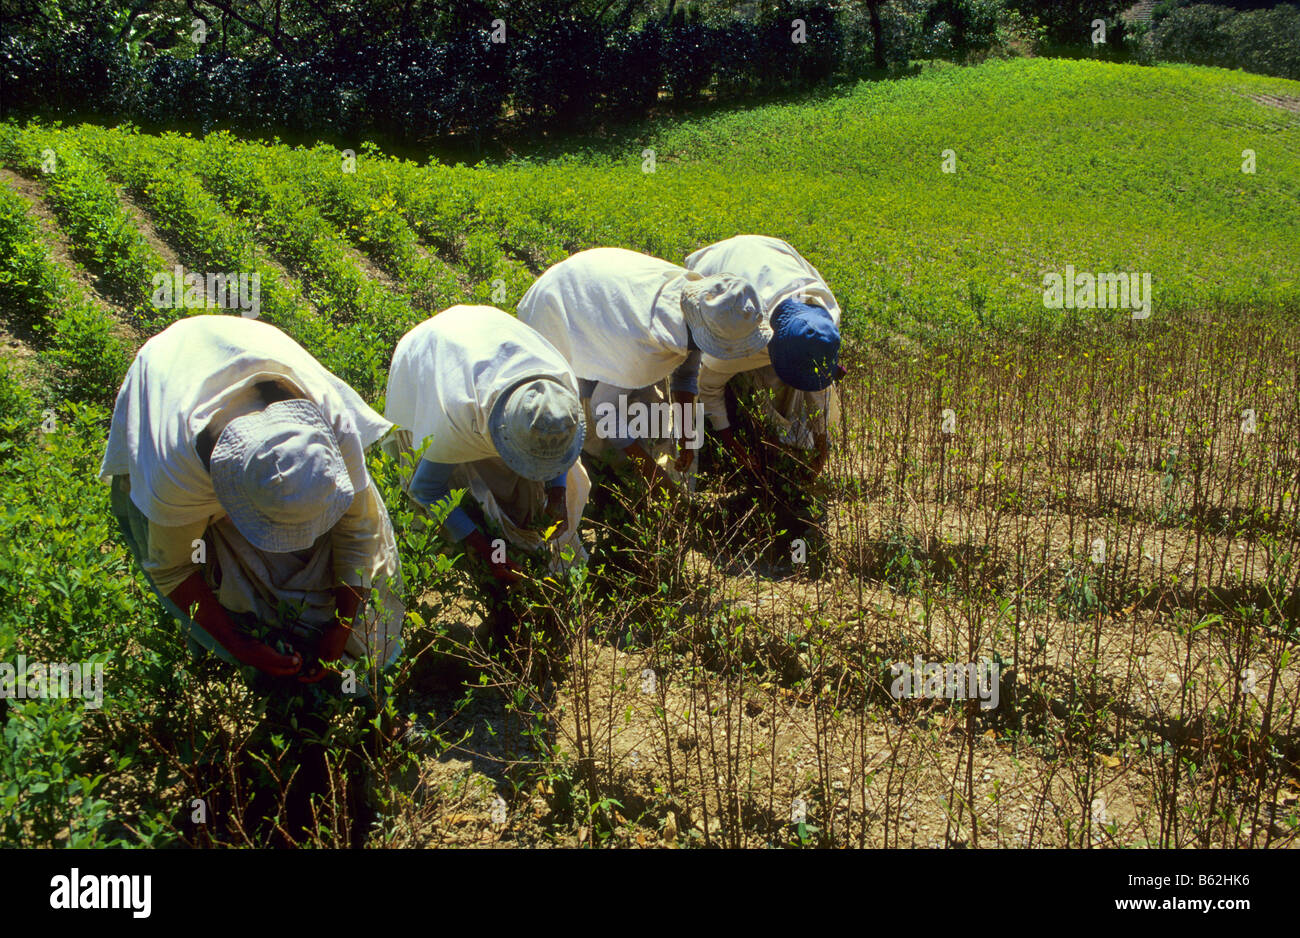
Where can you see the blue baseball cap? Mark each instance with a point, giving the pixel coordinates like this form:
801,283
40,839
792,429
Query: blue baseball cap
805,345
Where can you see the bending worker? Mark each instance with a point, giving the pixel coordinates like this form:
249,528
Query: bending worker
627,321
498,406
792,375
239,481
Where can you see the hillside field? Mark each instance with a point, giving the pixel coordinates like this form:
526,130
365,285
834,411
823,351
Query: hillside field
1103,504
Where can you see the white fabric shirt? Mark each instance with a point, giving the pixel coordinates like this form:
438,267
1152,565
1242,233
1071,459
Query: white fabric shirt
450,370
190,373
778,272
615,315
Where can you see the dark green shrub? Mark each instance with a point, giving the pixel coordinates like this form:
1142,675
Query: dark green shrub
1193,34
1266,41
557,75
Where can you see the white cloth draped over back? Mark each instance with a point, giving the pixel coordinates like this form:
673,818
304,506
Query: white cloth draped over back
450,370
447,375
182,378
777,271
614,314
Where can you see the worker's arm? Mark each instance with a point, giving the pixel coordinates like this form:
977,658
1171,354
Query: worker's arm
557,509
713,388
818,409
213,619
175,563
684,385
686,376
349,604
430,484
727,436
713,379
823,450
360,554
607,402
655,477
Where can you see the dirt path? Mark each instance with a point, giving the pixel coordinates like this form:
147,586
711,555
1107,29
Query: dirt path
145,224
791,717
1282,102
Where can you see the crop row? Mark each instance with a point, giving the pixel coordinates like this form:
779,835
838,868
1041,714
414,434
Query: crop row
75,333
158,170
370,218
294,229
91,212
446,208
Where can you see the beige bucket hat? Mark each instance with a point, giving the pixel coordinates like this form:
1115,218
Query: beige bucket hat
538,428
726,316
281,477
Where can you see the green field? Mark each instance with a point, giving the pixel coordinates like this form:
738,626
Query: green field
1103,167
1097,166
1107,167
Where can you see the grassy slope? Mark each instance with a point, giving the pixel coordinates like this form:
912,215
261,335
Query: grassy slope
1106,167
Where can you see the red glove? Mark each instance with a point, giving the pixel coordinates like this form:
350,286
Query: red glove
506,572
214,620
332,642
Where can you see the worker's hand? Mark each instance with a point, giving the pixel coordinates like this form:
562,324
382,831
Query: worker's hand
557,511
312,673
655,477
212,617
348,603
507,572
685,453
263,657
661,482
329,648
738,450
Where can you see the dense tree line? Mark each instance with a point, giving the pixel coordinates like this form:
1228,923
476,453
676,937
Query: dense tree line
411,71
1257,37
406,72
